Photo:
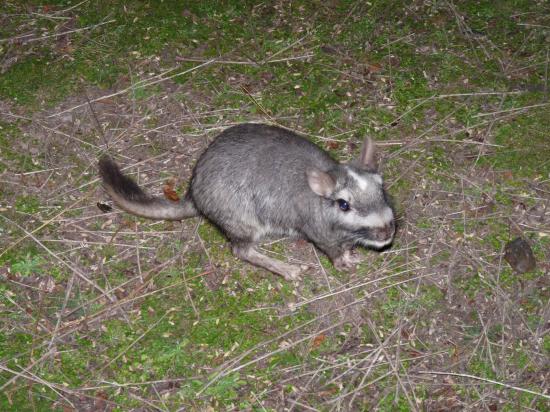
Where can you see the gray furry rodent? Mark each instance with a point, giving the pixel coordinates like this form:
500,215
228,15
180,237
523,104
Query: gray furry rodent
259,182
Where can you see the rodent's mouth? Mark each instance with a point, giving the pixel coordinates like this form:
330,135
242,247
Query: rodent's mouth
375,244
378,237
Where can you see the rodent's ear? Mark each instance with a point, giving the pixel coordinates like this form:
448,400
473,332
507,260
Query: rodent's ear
320,182
367,158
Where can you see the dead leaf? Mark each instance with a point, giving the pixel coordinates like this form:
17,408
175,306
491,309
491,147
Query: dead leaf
107,100
318,340
328,49
100,401
169,192
104,207
520,256
374,68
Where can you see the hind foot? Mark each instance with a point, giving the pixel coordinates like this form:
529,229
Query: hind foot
251,255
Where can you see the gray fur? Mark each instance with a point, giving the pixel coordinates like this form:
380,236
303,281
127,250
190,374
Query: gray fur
129,196
255,183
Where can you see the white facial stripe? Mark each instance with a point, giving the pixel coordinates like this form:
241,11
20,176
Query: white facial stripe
378,219
375,243
375,219
361,181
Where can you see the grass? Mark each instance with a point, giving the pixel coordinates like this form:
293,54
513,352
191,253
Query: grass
107,312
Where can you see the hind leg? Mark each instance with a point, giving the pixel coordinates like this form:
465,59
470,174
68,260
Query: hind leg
247,252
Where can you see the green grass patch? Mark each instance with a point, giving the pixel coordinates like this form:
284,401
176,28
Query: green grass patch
347,70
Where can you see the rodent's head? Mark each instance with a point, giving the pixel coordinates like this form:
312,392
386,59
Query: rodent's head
358,204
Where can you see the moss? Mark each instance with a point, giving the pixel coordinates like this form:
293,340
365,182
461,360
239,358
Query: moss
12,156
27,204
371,62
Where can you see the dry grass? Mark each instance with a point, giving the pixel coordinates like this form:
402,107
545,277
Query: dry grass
93,300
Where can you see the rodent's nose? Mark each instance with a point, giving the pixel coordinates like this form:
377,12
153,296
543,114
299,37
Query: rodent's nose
384,233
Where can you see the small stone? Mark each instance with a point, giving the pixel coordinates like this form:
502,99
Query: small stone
104,207
520,256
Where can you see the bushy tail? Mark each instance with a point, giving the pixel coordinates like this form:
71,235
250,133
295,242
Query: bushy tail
129,196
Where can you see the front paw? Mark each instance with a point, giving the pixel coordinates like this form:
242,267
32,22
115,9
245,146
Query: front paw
347,260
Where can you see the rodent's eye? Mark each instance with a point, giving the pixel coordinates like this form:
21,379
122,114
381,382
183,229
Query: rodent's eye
343,205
